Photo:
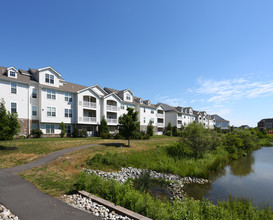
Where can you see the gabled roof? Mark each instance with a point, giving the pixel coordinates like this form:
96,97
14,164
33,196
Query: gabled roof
21,78
218,118
114,94
50,68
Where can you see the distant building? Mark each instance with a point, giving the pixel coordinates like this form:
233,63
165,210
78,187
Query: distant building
266,123
220,122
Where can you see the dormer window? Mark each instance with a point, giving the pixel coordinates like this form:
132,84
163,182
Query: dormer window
12,73
128,97
49,78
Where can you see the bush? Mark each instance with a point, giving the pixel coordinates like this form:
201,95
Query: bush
105,135
174,131
36,133
62,127
168,133
79,133
150,129
117,136
146,137
137,135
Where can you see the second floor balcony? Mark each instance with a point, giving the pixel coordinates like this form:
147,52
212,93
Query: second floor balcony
89,104
112,120
160,115
111,108
160,124
89,119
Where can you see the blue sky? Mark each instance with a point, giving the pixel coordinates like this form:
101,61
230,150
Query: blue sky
211,55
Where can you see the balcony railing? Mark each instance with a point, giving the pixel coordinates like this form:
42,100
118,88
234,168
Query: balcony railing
89,119
111,107
159,115
160,124
89,104
112,120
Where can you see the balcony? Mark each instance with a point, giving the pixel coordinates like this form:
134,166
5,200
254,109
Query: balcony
111,108
89,104
112,120
160,115
160,124
89,119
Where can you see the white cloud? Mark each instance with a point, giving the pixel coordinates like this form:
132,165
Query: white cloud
233,89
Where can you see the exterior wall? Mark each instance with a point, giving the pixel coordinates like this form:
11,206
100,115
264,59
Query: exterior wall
42,78
60,104
146,113
171,117
115,111
21,97
125,94
80,108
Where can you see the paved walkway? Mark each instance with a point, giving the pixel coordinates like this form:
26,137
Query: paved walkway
27,202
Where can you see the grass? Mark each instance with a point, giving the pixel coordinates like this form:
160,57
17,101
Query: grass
27,150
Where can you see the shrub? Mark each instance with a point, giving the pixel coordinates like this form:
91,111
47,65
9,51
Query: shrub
62,127
36,133
79,133
105,135
150,129
146,137
137,135
174,131
103,127
168,133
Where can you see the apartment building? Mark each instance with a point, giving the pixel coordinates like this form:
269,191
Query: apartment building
221,122
43,99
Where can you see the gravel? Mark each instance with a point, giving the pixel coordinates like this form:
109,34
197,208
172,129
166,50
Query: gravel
6,214
86,204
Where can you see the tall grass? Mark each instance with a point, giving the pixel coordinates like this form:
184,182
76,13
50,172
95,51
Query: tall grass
142,203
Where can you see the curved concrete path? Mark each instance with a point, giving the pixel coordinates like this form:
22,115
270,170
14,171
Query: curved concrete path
27,202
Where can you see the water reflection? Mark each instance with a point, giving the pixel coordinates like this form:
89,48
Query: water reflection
242,167
250,177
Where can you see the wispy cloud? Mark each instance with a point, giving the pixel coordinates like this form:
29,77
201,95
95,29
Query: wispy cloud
233,89
171,101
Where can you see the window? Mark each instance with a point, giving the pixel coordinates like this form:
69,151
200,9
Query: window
122,107
34,126
51,111
50,129
128,97
13,107
68,113
49,78
179,122
51,94
152,111
144,120
34,93
12,73
144,110
68,97
34,110
13,88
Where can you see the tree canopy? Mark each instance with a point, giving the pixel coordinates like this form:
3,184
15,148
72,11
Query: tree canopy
128,124
9,125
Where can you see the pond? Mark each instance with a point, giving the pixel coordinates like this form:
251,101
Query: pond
250,177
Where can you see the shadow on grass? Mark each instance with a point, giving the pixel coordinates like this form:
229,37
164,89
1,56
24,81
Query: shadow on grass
114,144
8,148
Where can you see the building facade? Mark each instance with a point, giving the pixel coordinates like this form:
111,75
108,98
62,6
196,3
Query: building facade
43,99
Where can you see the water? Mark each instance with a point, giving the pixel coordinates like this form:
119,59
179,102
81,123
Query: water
250,177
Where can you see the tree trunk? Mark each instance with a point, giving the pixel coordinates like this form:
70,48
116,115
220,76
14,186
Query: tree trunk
128,142
11,142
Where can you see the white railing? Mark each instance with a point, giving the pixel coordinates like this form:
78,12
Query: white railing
179,116
89,119
112,120
160,124
89,104
111,107
160,115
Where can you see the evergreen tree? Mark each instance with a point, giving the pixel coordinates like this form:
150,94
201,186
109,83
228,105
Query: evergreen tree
62,127
129,124
103,128
169,129
174,131
9,125
150,129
